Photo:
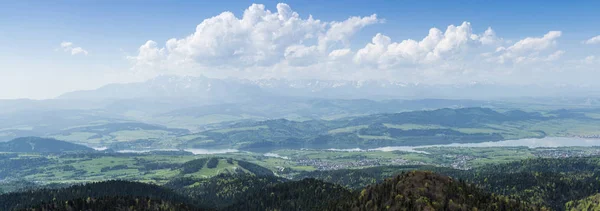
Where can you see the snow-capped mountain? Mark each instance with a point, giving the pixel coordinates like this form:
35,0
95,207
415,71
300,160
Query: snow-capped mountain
173,87
236,90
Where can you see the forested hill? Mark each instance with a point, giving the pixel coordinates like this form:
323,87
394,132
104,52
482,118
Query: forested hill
113,203
442,126
545,182
463,117
199,167
222,190
535,184
41,145
588,203
415,190
419,190
114,189
307,194
357,179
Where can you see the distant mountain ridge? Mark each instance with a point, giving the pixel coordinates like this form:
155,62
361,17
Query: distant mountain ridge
41,145
198,88
236,90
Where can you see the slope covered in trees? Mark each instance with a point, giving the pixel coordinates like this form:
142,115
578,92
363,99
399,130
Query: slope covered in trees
535,184
442,126
357,179
222,190
41,145
27,199
543,181
588,203
113,203
306,194
419,190
227,166
549,182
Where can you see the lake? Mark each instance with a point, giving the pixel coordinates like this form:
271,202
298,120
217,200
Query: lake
192,150
527,142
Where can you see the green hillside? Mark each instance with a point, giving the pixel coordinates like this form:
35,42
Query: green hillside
418,190
41,145
591,203
208,167
28,199
442,126
543,182
113,203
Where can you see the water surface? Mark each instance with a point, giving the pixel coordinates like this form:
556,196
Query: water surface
527,142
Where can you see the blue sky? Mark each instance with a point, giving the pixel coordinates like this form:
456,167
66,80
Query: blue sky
35,65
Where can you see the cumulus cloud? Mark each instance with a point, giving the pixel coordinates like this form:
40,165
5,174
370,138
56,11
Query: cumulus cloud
282,43
530,49
342,31
489,37
555,56
436,46
150,56
593,40
68,47
340,53
66,44
536,43
259,38
300,55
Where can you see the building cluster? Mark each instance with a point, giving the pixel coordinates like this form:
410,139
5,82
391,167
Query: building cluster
327,165
566,153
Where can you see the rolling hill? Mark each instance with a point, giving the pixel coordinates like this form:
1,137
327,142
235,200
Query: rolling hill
415,128
419,190
41,145
22,200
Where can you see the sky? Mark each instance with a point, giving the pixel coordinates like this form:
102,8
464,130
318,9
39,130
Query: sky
51,47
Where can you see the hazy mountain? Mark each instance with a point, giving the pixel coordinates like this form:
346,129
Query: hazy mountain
211,90
169,87
381,89
41,145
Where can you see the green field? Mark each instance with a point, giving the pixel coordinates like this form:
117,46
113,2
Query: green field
240,129
350,129
157,168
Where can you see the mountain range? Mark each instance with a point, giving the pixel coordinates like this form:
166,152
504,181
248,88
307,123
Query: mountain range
236,90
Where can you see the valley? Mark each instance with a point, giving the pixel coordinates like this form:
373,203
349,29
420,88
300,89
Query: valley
303,106
237,165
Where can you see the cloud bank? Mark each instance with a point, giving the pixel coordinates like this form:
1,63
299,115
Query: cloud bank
282,43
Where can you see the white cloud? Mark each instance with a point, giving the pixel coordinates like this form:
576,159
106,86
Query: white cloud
149,56
66,44
591,60
593,40
68,47
489,37
300,55
340,53
555,56
436,46
281,43
536,43
259,38
342,31
78,50
529,49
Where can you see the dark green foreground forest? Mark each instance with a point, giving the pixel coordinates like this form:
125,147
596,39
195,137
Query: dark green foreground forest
535,184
